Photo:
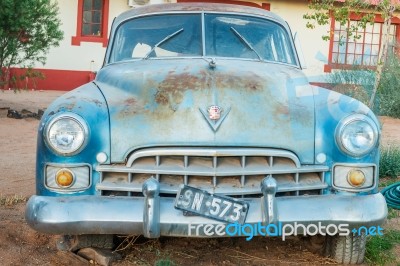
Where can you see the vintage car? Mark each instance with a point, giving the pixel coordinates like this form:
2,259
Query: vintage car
201,119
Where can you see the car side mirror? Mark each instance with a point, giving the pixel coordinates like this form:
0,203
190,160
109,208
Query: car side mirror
299,51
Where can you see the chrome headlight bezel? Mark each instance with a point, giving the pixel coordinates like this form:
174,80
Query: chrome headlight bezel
350,120
79,121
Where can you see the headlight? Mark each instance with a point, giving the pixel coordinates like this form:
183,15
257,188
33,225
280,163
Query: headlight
66,134
356,135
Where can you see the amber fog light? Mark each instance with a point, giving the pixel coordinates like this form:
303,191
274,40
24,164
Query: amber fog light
65,178
356,178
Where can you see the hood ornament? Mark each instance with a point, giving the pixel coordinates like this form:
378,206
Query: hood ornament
214,112
215,115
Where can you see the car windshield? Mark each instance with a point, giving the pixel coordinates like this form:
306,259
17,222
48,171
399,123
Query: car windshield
180,35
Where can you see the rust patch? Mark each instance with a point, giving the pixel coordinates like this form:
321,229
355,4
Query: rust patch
171,89
183,81
95,101
282,110
130,106
98,103
130,101
161,98
248,81
68,106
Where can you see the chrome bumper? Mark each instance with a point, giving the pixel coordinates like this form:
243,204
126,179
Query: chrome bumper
138,216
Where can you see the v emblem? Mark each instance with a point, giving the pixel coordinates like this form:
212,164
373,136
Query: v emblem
215,116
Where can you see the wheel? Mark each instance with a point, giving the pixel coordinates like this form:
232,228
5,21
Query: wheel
348,249
75,242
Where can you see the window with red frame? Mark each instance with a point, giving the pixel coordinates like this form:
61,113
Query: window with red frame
363,51
92,18
92,22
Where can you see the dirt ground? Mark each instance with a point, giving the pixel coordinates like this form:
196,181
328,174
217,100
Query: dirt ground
19,245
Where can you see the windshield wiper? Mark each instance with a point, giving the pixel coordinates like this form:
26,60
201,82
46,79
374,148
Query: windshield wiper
243,39
163,41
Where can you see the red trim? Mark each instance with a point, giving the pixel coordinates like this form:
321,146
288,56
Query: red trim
325,85
327,67
62,80
397,34
378,18
397,49
266,6
76,40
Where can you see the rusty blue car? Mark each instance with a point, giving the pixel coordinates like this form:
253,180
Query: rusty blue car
201,123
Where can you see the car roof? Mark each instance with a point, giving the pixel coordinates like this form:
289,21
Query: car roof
196,7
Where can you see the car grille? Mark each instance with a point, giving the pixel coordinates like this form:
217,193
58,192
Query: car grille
233,172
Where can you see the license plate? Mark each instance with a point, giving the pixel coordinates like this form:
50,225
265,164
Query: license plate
217,207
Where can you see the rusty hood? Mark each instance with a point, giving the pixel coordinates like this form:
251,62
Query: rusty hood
154,103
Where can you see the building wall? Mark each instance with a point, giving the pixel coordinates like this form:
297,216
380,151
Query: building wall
69,65
88,56
315,49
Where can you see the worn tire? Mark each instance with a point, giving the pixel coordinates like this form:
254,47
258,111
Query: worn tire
76,242
346,249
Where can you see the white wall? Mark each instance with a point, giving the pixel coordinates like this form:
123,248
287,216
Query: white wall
70,57
314,48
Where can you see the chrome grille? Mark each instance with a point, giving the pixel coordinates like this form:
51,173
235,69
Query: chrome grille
233,172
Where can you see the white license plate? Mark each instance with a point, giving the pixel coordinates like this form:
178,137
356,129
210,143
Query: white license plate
217,207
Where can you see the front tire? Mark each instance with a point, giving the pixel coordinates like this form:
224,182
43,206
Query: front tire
76,242
348,249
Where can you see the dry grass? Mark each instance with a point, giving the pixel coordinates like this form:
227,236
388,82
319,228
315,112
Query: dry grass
11,200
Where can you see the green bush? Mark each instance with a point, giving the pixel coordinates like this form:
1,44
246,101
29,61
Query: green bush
388,94
389,164
358,83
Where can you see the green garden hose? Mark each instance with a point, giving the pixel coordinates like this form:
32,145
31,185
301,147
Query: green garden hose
392,195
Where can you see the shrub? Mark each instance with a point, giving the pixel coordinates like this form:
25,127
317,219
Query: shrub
358,83
389,163
388,94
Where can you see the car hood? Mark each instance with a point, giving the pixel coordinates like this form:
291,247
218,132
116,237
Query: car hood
155,103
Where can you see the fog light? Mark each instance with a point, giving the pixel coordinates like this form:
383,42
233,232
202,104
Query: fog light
64,178
356,178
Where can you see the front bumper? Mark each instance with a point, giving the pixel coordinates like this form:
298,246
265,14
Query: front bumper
128,215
